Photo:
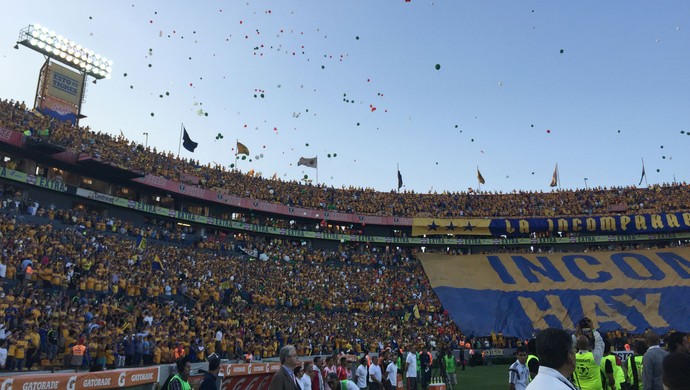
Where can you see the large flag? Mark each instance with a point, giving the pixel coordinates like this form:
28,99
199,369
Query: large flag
187,142
309,162
157,264
643,174
400,181
480,178
554,178
241,149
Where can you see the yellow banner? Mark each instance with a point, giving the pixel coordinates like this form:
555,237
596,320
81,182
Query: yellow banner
520,293
459,226
560,271
64,84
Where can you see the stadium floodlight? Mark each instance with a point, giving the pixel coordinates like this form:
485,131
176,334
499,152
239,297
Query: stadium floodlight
59,48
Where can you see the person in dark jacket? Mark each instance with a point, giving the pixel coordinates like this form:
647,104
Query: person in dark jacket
210,381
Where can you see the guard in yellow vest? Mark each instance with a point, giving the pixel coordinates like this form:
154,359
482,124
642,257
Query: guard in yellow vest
532,359
587,371
613,373
633,365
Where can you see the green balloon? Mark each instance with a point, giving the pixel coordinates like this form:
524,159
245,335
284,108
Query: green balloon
438,66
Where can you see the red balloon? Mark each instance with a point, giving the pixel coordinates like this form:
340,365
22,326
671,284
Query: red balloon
548,131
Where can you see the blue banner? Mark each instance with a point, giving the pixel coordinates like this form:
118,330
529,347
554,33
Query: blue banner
611,224
523,293
522,227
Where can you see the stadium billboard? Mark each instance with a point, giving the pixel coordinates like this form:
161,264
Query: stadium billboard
63,84
61,93
58,109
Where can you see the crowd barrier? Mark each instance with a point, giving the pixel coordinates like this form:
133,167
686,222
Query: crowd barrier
254,376
113,379
233,376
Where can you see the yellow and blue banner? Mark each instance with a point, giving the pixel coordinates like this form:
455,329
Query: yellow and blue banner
157,264
517,227
141,242
518,294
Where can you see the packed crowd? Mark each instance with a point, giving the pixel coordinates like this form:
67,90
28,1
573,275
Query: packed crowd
73,278
134,156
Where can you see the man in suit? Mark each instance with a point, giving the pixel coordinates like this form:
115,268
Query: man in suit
557,360
676,371
651,363
285,379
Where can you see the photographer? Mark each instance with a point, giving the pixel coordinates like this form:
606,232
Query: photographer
596,342
590,347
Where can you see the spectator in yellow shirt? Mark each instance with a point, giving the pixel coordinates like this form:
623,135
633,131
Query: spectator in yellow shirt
20,352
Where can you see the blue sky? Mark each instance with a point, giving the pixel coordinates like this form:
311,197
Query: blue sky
505,99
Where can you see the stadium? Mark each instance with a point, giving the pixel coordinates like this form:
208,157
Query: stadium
129,251
119,258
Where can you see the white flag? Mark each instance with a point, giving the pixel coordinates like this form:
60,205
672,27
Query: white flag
309,162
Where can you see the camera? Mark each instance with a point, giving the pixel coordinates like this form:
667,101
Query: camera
585,324
585,328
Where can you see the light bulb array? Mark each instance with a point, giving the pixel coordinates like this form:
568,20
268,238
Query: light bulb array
67,51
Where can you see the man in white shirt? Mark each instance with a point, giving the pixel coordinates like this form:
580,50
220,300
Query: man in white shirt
375,375
392,373
411,368
3,355
218,340
556,360
305,381
518,373
361,373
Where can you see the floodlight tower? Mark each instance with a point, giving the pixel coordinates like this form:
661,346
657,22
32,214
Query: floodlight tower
60,91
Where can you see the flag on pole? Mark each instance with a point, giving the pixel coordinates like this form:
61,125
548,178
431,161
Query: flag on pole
400,180
643,174
554,178
187,142
141,242
241,149
157,264
480,178
308,162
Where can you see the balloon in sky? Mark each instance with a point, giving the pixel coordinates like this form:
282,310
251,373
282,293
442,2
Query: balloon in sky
438,66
